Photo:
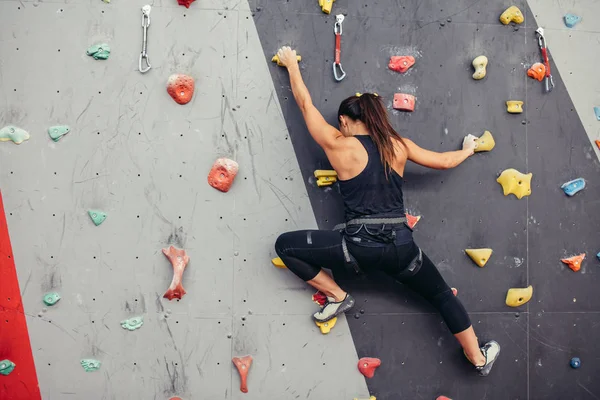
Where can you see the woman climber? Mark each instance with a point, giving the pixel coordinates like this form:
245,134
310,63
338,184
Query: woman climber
369,157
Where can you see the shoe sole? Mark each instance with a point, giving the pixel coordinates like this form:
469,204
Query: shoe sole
491,365
341,309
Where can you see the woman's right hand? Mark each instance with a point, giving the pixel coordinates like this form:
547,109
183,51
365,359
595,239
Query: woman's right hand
470,143
287,56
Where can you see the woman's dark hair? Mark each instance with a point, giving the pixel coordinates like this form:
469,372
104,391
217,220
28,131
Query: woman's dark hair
369,109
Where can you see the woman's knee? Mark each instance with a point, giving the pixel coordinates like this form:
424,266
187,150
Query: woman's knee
284,243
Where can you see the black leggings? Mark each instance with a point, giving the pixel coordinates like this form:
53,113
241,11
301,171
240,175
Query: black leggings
306,252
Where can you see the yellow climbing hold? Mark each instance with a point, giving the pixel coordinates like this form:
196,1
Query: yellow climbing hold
479,256
370,398
516,297
479,63
326,5
485,142
278,262
514,182
514,106
512,14
325,177
325,327
276,59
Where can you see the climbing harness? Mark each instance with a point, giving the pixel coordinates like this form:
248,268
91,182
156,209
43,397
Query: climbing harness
145,24
337,65
548,82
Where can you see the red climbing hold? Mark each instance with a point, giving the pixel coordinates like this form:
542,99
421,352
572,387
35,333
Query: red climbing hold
367,366
175,398
443,398
222,174
574,262
185,3
404,102
181,88
412,220
401,63
243,366
320,298
179,260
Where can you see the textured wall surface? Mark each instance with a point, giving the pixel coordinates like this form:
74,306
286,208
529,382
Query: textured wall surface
137,155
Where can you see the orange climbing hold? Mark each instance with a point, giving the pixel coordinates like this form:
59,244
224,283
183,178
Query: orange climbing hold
598,143
404,102
537,71
368,365
179,260
222,174
181,88
411,220
401,63
243,366
574,262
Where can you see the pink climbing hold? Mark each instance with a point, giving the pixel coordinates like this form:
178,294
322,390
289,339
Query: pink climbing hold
368,365
179,260
181,88
185,3
443,398
404,102
243,365
401,63
412,220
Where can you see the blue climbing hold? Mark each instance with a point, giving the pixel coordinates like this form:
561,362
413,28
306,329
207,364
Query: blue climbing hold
574,186
598,255
571,20
575,362
597,112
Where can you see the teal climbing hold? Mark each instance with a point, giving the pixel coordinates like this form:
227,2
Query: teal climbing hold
99,51
97,216
16,135
598,256
132,323
6,367
58,131
51,299
596,111
571,20
90,365
574,186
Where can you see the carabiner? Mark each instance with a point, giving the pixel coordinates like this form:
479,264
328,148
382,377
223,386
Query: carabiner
337,31
145,24
335,70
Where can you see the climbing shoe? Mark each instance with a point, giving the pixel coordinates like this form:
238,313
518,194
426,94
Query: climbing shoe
332,309
490,350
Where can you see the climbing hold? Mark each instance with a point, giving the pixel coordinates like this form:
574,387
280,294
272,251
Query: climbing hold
367,366
514,182
326,5
443,398
90,365
16,135
512,14
479,256
181,88
132,323
222,174
572,187
596,111
97,216
243,366
598,256
516,297
185,3
485,142
275,59
574,262
319,298
401,63
480,63
325,327
412,220
6,367
575,362
537,71
57,132
99,51
370,398
404,102
325,177
106,1
51,299
179,260
278,262
598,143
514,106
571,20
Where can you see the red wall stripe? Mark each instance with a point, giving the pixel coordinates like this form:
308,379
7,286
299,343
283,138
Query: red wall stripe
22,383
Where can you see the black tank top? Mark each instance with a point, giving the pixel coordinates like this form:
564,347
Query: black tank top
369,193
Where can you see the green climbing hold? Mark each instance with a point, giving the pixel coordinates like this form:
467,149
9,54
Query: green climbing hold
132,323
6,367
51,299
17,135
97,216
90,365
99,51
58,131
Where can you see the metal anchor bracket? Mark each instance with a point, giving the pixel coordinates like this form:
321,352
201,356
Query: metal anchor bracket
143,55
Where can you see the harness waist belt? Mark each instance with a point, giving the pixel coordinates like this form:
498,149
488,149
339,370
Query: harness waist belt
371,221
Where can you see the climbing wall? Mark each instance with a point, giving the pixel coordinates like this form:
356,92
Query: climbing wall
143,159
464,208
